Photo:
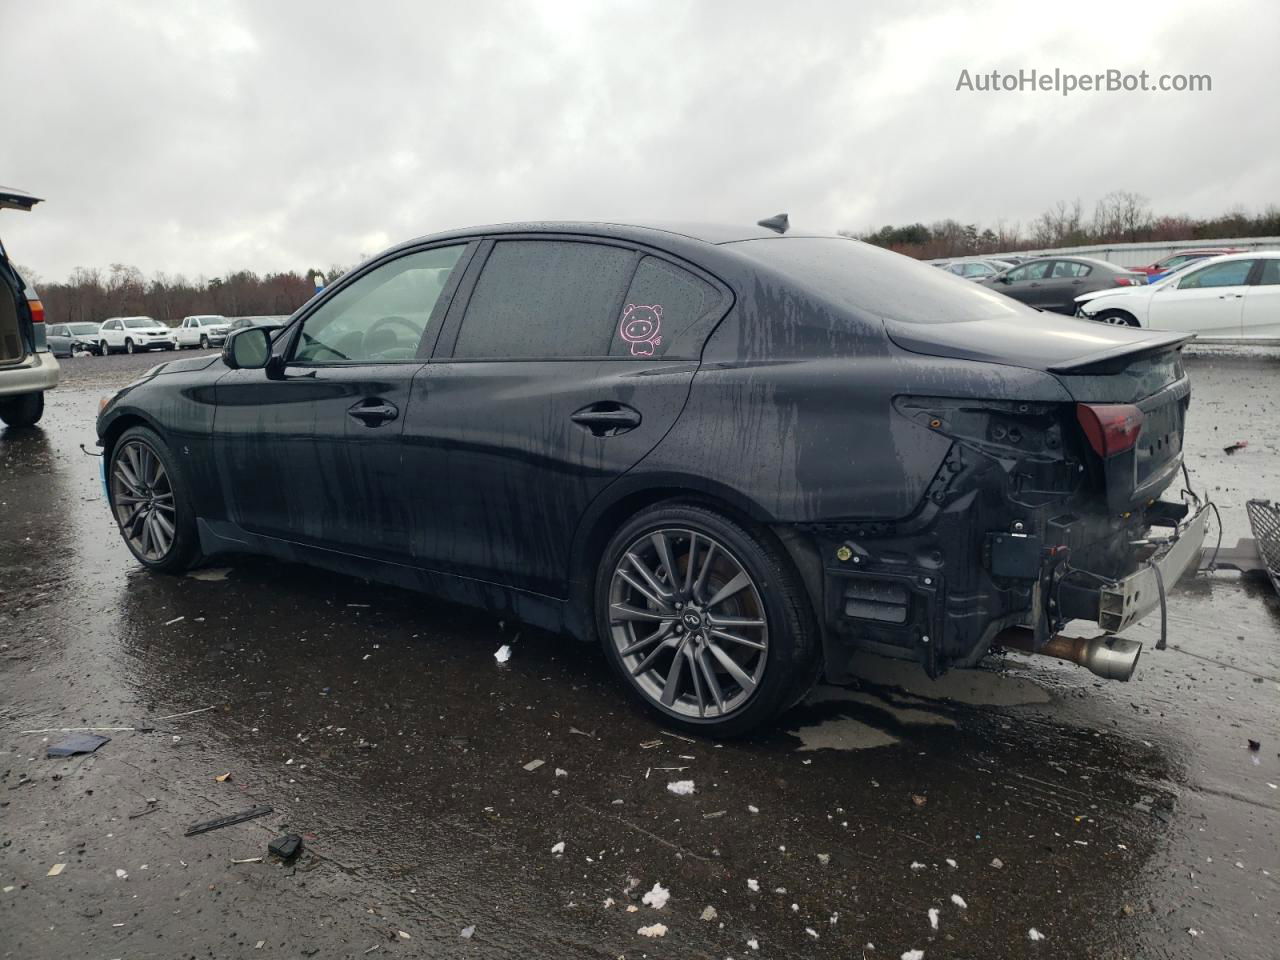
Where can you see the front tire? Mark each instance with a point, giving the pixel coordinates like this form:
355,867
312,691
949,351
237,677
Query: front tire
151,502
1117,318
204,342
128,346
22,411
705,620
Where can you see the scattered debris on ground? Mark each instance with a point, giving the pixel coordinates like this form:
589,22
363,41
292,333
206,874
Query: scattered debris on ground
681,788
286,847
75,744
653,930
657,897
503,653
1231,448
233,818
533,765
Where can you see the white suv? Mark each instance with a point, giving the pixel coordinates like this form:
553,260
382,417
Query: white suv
27,368
132,334
203,331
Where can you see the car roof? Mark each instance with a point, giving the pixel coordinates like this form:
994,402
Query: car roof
646,231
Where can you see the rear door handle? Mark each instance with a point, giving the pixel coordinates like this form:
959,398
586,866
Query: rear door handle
373,411
606,418
1230,296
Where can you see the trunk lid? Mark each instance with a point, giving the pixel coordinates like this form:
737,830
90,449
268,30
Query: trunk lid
1097,364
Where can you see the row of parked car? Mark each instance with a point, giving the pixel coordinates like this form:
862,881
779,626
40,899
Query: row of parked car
1214,293
137,334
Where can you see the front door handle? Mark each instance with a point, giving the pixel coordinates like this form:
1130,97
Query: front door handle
606,418
373,411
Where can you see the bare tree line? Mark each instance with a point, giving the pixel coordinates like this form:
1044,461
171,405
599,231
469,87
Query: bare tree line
92,294
1119,217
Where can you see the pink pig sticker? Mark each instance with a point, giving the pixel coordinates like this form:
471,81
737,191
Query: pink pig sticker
640,327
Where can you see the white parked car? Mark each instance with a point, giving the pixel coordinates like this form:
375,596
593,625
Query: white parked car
132,334
1235,297
204,331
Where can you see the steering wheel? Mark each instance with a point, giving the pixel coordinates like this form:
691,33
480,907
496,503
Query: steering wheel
408,324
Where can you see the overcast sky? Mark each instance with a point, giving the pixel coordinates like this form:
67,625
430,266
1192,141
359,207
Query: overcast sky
202,138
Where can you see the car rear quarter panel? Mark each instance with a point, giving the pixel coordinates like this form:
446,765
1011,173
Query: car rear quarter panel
792,410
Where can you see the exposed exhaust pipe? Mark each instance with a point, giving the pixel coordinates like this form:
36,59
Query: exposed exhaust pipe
1110,657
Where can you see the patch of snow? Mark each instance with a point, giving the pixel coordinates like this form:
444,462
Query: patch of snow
503,653
1035,934
959,901
653,930
709,913
913,955
753,885
657,897
681,788
933,917
558,848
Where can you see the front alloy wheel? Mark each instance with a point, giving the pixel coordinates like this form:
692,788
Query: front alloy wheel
143,499
128,346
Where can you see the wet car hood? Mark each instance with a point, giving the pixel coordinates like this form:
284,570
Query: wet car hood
1039,341
187,364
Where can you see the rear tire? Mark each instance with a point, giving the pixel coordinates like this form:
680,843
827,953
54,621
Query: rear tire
725,645
22,411
1117,318
151,502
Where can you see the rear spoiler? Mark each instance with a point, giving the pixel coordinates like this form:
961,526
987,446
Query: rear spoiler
1115,359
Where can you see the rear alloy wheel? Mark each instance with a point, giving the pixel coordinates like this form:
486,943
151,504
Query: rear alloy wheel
22,411
128,346
149,503
705,620
1117,318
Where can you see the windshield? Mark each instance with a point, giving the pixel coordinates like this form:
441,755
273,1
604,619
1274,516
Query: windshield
140,323
78,328
872,280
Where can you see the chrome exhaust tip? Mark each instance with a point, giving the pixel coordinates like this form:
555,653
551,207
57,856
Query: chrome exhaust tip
1110,657
1107,656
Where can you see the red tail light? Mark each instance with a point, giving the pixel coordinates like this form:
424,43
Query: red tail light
1131,281
37,311
1110,428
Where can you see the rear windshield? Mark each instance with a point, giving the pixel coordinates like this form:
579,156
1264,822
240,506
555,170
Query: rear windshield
872,280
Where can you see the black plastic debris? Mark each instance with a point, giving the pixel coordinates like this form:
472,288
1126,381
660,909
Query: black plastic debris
286,847
77,743
1235,447
1255,745
227,821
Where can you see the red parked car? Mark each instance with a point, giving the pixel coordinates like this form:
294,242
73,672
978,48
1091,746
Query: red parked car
1175,261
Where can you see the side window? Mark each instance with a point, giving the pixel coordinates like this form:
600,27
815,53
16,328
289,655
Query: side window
662,302
1270,273
1230,274
1031,271
381,316
544,299
1066,270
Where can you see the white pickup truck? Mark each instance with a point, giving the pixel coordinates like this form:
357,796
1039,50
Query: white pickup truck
203,331
133,334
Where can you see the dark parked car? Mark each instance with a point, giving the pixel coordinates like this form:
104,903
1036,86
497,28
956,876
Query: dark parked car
1053,283
66,339
733,457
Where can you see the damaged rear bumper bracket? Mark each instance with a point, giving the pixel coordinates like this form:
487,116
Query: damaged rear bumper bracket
1127,601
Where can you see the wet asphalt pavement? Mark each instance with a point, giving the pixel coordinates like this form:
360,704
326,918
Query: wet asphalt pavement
1118,820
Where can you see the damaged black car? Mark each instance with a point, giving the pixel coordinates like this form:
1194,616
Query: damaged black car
733,457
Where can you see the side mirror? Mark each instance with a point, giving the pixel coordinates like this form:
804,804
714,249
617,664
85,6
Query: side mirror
1005,278
248,349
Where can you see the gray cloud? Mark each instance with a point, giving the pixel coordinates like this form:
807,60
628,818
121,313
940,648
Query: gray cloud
211,137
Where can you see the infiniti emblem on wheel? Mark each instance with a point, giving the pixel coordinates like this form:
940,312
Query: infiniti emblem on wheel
692,621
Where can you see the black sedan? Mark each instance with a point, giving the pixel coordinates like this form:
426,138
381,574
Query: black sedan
68,339
1053,283
732,457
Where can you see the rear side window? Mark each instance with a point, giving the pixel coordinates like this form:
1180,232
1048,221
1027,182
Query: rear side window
545,299
1270,273
1065,269
662,303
